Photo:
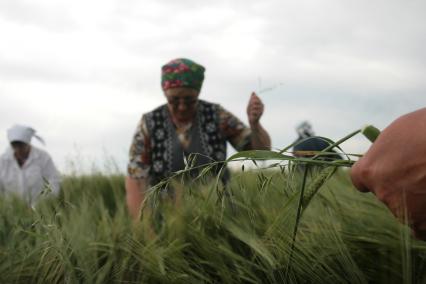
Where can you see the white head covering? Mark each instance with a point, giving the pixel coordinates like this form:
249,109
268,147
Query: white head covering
305,130
21,133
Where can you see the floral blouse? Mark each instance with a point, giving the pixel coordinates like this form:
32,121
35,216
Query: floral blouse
235,132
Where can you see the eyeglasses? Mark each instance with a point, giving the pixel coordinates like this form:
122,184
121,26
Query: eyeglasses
188,101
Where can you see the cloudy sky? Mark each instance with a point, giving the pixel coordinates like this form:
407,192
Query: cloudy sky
82,72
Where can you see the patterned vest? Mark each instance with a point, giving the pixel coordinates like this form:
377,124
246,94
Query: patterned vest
167,154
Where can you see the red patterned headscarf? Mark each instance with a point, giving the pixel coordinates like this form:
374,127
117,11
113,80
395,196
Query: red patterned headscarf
182,72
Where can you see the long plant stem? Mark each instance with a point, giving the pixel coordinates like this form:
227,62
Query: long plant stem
338,142
296,225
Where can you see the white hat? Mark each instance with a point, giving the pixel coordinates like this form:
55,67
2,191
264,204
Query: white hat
20,133
305,130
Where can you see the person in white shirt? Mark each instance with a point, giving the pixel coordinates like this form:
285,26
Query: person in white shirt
25,170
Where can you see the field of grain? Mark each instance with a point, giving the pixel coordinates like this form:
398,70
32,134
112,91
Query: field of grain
204,236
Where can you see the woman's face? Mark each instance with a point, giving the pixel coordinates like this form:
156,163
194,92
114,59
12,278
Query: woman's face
21,150
182,103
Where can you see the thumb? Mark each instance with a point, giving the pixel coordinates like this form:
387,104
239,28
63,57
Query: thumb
358,175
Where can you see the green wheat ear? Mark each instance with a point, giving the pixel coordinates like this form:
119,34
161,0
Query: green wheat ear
370,132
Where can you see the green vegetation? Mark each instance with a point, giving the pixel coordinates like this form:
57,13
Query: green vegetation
299,220
86,236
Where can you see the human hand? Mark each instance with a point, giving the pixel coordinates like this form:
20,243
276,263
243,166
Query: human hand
394,169
254,109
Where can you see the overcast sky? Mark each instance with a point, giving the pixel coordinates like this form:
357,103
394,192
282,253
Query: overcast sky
83,72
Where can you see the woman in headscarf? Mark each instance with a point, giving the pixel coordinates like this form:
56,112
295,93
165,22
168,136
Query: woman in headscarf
26,170
185,124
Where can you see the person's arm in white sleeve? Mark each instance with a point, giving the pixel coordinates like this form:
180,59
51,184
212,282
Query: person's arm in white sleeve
52,175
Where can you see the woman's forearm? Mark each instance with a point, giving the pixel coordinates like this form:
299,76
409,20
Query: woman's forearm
135,189
260,139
